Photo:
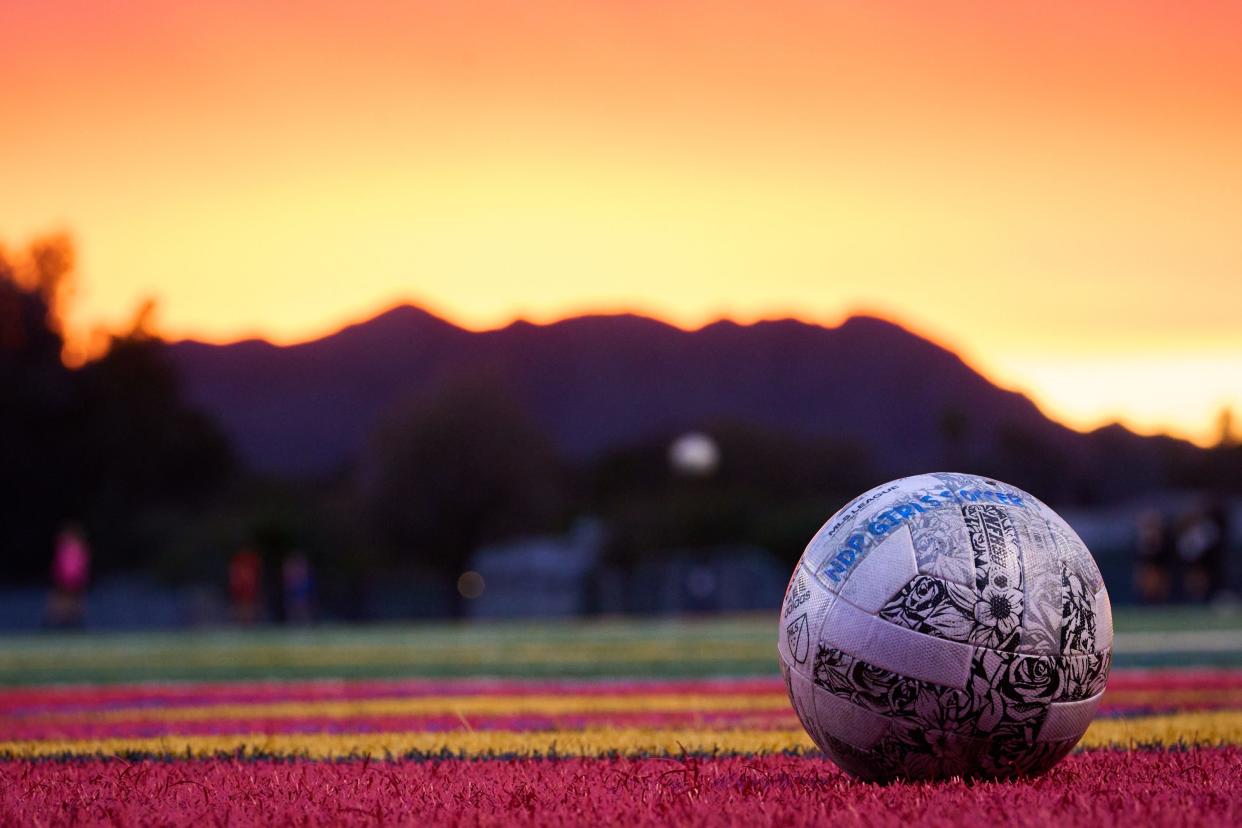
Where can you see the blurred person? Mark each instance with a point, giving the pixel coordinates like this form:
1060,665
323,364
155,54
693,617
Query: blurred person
245,582
1153,565
1215,557
298,587
71,570
1201,548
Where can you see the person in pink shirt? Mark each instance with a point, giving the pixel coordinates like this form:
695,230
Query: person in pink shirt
71,571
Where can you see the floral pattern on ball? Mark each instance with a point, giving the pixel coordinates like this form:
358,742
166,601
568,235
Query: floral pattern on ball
946,610
999,582
932,606
997,570
938,731
1077,613
940,546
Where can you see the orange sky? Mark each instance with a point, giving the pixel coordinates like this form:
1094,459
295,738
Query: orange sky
1054,189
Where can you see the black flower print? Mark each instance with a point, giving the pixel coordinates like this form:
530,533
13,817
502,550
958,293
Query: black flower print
1007,754
903,696
933,606
872,685
947,710
1034,678
997,613
832,671
1077,613
923,595
1028,685
988,704
1083,676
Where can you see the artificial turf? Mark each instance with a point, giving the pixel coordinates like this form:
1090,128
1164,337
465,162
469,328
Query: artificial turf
603,722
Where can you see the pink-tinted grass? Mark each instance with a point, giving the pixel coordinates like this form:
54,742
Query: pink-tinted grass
1102,788
111,712
69,698
1223,687
65,698
1175,679
86,728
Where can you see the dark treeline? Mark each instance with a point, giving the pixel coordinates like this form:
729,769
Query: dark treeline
113,448
109,446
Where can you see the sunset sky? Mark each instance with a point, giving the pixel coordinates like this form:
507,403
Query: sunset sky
1053,189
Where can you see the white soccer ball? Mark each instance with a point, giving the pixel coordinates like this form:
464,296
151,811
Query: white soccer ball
945,625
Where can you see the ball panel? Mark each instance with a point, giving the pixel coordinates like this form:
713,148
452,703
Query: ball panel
1068,719
1041,568
1007,694
941,546
994,543
930,754
797,592
849,538
796,641
881,574
867,765
1009,757
999,582
802,696
933,607
1073,553
941,609
1083,675
1078,632
891,647
1103,621
802,615
927,755
851,723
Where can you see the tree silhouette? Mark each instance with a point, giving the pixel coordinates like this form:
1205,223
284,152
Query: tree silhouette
103,445
143,447
39,409
1226,437
455,470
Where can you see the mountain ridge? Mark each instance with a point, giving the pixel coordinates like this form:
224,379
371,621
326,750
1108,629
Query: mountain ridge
599,381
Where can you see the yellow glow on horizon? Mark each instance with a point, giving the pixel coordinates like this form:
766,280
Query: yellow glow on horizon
1180,395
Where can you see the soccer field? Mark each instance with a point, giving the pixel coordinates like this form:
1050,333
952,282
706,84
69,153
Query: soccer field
609,648
555,723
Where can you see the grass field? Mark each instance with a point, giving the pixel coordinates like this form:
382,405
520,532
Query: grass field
646,722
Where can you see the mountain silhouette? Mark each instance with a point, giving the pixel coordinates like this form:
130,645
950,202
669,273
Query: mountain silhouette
595,383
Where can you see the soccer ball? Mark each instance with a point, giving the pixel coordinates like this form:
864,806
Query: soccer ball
945,625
